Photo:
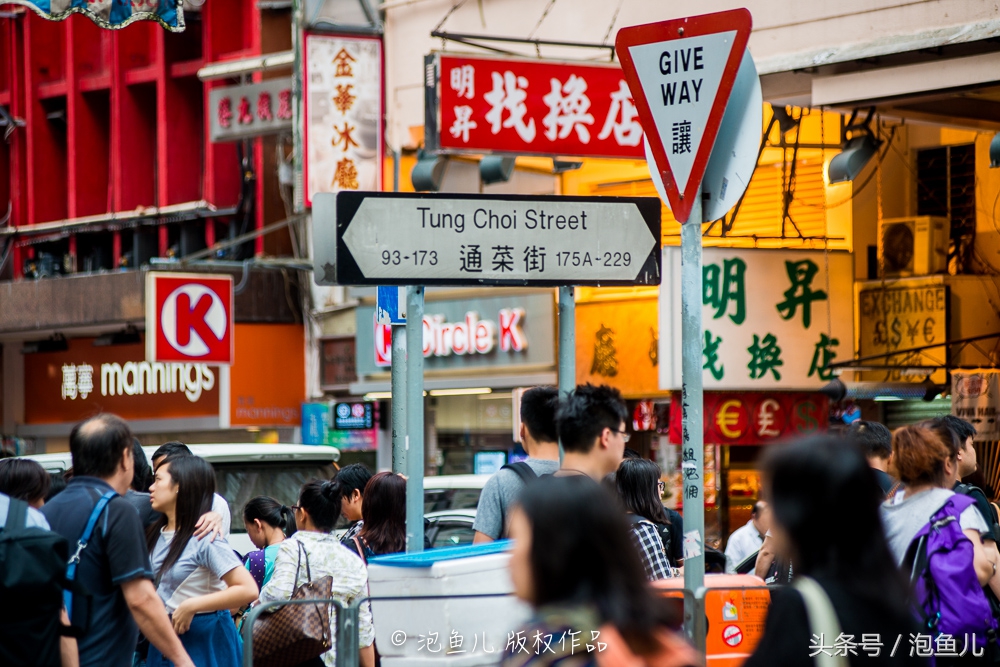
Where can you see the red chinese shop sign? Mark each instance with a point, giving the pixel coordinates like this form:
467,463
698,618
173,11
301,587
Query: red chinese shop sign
532,107
752,418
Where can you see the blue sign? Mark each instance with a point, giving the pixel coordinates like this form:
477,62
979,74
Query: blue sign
488,463
353,416
112,14
315,423
390,305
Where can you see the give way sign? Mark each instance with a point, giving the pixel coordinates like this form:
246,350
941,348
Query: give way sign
189,318
681,73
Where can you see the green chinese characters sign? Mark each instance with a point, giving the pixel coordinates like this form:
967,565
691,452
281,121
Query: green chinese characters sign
771,319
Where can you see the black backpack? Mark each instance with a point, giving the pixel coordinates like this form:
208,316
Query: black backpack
522,469
32,578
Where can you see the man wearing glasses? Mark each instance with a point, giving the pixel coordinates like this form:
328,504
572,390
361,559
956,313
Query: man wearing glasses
591,424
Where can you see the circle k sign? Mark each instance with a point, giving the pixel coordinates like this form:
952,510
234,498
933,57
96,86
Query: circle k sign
189,318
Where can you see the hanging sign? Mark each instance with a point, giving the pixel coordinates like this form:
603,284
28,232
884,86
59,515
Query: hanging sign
975,397
475,240
510,105
343,110
250,110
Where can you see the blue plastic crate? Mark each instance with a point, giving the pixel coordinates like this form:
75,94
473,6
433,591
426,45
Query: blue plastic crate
431,556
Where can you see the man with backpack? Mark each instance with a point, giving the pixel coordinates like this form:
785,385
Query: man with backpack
539,439
591,423
108,554
32,571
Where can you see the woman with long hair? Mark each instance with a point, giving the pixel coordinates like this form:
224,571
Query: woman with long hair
824,501
268,524
186,568
574,563
312,553
352,480
638,484
25,480
384,514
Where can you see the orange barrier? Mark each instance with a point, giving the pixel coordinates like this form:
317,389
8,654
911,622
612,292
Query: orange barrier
736,607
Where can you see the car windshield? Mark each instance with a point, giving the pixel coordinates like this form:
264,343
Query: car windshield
239,482
436,500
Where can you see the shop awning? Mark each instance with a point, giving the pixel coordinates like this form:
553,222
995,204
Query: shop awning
948,75
885,46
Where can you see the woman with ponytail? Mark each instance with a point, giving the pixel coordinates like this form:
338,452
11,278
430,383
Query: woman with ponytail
312,553
268,523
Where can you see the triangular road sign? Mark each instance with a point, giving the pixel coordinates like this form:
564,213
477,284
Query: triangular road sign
680,73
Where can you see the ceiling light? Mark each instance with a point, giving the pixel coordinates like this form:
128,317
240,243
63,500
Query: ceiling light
57,343
377,395
461,392
127,336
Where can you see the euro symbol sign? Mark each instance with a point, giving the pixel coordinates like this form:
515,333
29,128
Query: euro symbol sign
727,418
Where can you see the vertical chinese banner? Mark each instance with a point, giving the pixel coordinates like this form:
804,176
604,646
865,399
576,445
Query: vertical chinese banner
343,85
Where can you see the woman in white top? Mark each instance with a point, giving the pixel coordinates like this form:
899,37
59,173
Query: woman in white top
187,568
316,514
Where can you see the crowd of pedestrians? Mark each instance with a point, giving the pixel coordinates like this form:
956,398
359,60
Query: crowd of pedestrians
130,563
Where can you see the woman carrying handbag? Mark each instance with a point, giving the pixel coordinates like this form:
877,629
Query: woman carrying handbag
312,563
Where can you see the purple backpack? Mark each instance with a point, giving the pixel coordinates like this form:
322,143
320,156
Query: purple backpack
947,593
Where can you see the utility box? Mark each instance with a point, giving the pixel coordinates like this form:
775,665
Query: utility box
427,624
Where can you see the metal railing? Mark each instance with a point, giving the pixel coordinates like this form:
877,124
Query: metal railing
346,621
347,618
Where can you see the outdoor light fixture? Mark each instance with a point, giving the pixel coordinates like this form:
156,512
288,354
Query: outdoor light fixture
838,390
995,151
785,121
57,343
496,169
857,151
562,166
127,336
428,172
461,392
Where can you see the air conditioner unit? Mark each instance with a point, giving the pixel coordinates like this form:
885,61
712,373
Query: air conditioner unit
913,246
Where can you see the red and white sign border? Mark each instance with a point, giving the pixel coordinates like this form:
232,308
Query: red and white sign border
153,316
684,28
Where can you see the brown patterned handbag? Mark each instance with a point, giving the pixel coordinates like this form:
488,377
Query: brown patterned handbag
295,633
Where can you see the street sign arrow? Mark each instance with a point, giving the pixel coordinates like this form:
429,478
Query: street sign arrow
463,239
681,73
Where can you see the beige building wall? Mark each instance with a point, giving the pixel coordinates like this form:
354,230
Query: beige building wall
809,29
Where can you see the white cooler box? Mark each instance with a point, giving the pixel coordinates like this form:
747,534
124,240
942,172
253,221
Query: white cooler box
466,628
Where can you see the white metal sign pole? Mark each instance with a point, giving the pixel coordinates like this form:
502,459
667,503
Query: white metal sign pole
415,419
692,443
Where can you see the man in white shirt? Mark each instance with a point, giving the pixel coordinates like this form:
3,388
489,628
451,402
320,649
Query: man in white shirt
748,539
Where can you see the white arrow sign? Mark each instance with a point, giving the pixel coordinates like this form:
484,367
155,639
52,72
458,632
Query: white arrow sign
389,238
